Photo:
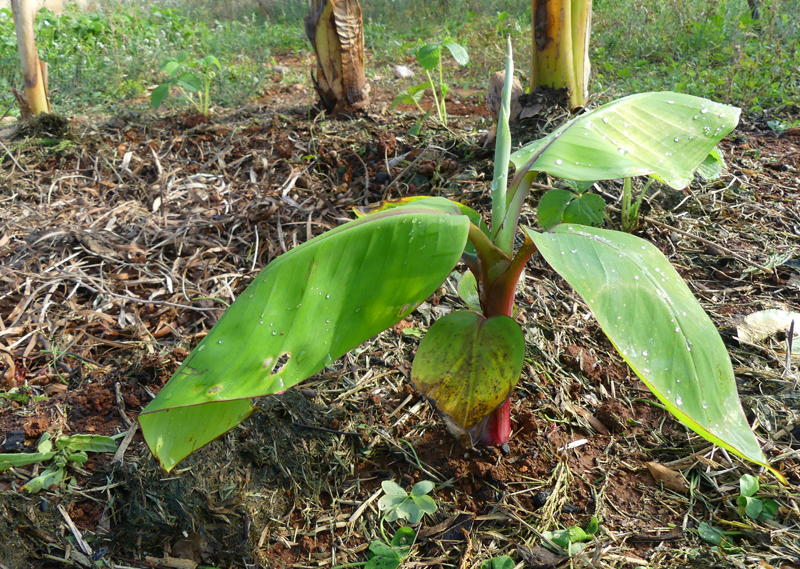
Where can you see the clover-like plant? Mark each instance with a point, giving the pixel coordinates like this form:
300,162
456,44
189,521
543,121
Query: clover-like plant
321,299
755,508
397,503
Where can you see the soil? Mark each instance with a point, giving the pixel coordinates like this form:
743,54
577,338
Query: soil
107,240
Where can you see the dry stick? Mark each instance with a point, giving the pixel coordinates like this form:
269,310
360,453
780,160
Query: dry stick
142,301
702,240
362,507
76,533
123,446
403,173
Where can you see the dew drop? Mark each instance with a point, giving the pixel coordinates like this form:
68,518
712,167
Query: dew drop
721,115
327,296
678,400
274,332
221,342
644,353
327,320
704,111
559,161
670,102
574,251
705,405
677,329
605,120
201,348
636,277
677,380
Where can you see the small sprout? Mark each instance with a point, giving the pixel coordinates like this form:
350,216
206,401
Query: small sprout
397,503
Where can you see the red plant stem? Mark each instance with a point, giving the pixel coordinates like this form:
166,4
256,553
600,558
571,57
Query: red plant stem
500,301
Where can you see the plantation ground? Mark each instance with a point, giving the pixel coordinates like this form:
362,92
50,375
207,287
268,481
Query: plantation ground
123,237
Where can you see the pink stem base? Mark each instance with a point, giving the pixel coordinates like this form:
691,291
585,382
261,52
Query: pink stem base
498,426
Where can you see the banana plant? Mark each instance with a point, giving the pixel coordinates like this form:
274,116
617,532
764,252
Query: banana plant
323,298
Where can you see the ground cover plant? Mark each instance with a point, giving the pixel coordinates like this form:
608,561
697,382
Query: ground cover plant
122,245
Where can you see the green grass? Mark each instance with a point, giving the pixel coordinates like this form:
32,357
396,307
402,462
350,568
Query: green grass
106,61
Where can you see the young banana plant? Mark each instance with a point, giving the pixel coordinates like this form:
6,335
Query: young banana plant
313,304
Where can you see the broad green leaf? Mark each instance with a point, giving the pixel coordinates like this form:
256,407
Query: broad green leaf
457,51
45,444
503,562
770,509
748,485
422,487
410,511
392,488
665,134
468,291
551,207
208,61
171,66
51,475
419,90
159,94
406,99
710,534
652,318
593,526
468,365
306,309
23,459
751,506
428,55
473,215
189,81
87,443
712,166
425,503
577,534
585,209
403,539
559,537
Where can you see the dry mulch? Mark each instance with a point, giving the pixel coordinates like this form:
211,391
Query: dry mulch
121,245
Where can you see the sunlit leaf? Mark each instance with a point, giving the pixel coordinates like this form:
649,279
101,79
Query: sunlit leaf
617,140
468,291
457,51
306,309
652,318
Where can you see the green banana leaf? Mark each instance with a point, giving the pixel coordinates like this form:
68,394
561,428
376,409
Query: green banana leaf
654,321
469,365
306,309
617,140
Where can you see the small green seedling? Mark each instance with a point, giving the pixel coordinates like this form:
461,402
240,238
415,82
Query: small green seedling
183,74
397,503
429,58
757,509
573,205
571,540
384,555
715,536
503,562
67,449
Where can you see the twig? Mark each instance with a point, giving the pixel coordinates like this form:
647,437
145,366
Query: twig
142,301
362,507
76,533
123,446
324,430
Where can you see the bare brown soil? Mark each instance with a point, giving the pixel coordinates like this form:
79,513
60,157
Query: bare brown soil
116,246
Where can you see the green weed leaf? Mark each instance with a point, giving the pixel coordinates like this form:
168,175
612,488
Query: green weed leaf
585,209
189,81
710,534
503,562
551,207
159,94
428,56
457,51
748,485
